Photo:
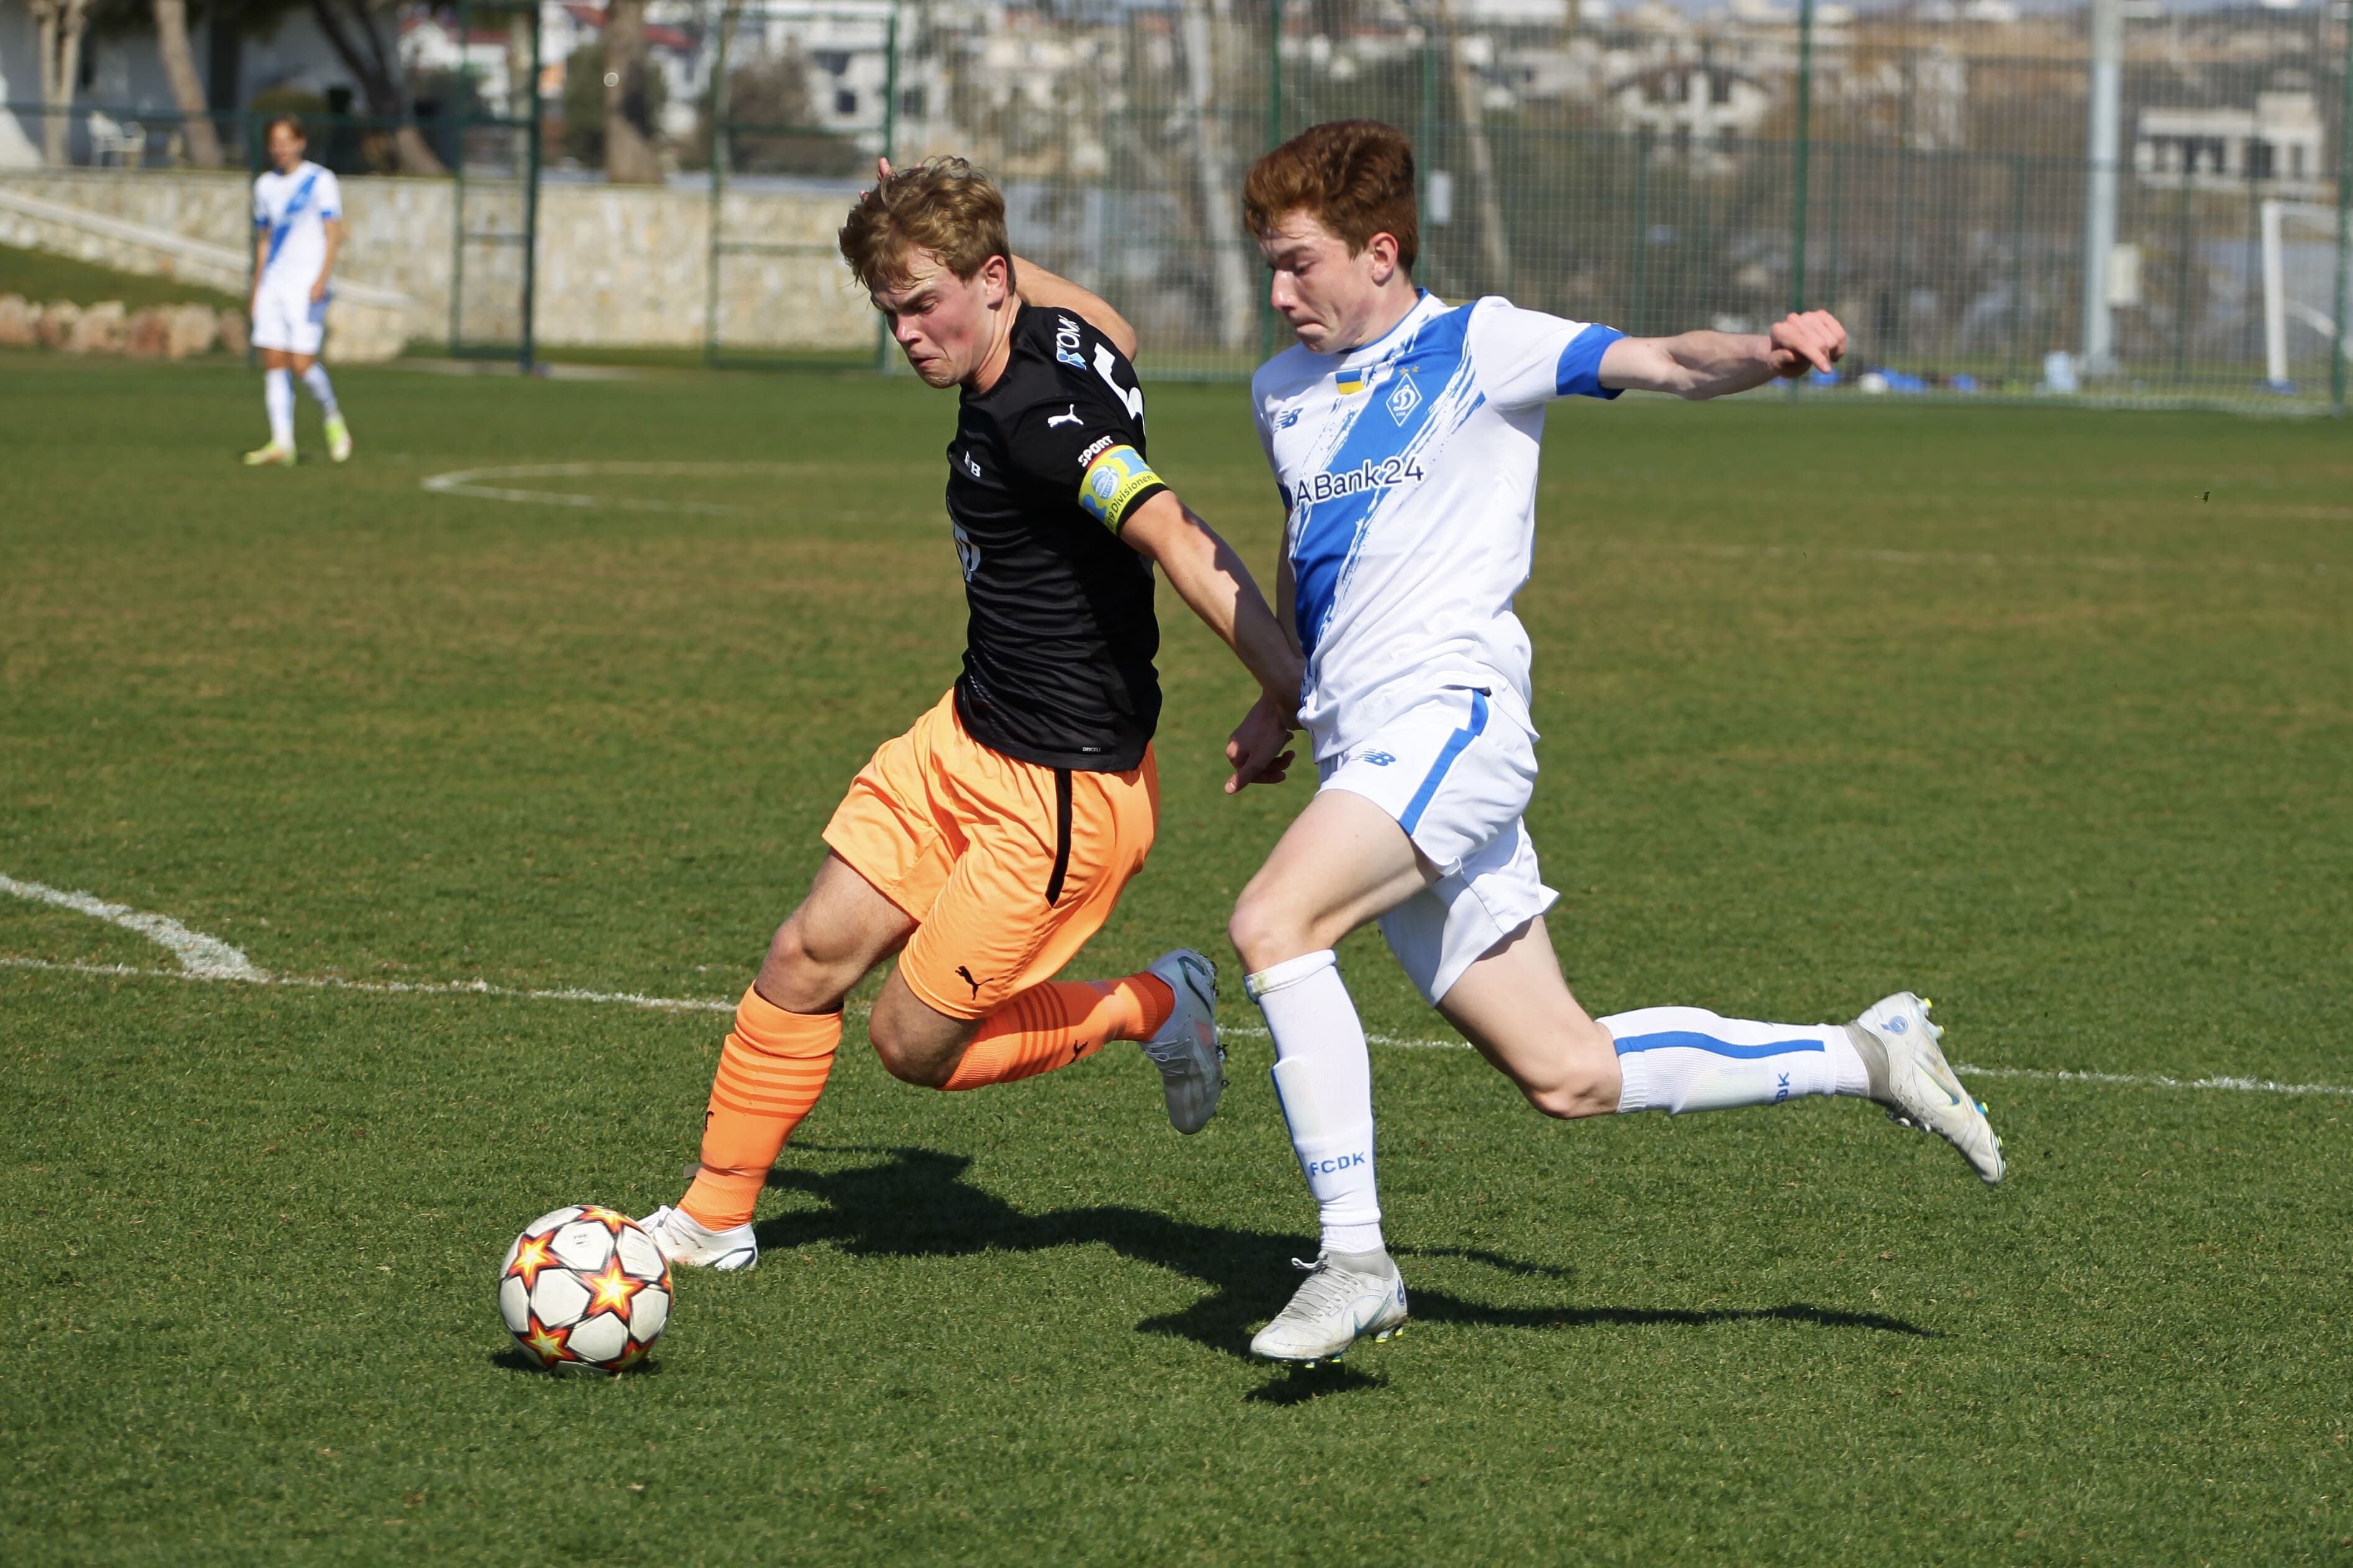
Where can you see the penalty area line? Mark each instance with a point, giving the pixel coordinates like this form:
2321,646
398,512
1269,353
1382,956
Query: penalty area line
711,1004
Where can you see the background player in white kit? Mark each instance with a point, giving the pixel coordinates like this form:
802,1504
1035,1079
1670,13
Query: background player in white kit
1404,433
298,222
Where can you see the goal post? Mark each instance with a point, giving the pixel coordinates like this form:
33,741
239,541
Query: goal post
2302,262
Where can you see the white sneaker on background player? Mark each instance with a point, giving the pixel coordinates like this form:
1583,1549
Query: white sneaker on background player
685,1242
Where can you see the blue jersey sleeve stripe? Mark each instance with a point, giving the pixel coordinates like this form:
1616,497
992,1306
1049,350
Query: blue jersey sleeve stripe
1578,374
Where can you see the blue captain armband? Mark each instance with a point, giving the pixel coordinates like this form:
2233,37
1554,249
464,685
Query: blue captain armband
1115,481
1578,373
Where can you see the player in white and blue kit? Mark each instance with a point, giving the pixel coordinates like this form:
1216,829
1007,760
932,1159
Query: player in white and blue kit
298,225
1404,433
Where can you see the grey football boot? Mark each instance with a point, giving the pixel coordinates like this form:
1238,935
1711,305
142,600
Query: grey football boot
1192,1063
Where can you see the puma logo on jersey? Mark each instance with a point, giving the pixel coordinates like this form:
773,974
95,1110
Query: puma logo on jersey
1071,418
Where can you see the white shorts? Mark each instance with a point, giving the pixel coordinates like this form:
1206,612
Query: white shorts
1456,771
285,318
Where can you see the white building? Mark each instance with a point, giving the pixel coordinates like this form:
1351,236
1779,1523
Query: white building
2274,146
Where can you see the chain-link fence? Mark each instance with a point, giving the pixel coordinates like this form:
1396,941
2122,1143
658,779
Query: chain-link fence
1924,172
1650,175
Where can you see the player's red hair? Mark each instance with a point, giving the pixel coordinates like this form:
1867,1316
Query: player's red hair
1353,177
944,205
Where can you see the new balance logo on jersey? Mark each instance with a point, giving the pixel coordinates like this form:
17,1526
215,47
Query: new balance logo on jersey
1366,475
1336,1162
1061,419
970,467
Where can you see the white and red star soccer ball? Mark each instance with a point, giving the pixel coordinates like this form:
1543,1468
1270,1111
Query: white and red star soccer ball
584,1289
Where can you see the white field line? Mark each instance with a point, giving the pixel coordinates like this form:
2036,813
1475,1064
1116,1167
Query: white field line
469,482
1249,1031
2125,563
384,987
208,957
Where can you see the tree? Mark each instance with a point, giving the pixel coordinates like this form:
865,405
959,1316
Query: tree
350,29
628,99
59,25
179,66
584,103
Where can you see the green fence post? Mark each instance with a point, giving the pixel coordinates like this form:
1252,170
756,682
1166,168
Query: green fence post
1273,140
533,151
2344,218
882,341
715,226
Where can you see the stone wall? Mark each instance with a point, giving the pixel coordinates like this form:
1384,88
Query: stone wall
619,266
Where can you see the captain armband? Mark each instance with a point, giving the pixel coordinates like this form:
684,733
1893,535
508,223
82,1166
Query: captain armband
1114,482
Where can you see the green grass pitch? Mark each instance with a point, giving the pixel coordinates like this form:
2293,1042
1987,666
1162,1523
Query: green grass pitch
2048,714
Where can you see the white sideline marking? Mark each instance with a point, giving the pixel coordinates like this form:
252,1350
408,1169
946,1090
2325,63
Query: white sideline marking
705,1005
207,957
467,482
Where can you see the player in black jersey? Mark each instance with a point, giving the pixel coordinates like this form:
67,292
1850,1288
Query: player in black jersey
987,844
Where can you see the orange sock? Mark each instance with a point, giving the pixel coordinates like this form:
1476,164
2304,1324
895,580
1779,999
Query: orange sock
1061,1022
771,1071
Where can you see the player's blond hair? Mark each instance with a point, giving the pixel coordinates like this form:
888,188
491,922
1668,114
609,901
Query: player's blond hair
1352,176
944,205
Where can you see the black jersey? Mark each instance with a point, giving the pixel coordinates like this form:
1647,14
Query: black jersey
1046,466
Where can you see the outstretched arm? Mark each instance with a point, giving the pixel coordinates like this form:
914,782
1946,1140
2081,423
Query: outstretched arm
1050,291
1711,364
1209,576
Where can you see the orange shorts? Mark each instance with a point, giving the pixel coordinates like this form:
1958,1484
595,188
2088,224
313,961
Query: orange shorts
1007,867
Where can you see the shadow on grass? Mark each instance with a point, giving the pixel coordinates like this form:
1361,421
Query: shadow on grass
917,1204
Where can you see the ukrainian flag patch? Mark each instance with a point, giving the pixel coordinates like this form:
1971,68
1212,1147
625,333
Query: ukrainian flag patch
1113,483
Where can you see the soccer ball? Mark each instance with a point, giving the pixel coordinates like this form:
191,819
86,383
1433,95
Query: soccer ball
584,1289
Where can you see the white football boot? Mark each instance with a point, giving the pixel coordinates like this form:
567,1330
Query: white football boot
1192,1063
1345,1295
1921,1086
685,1242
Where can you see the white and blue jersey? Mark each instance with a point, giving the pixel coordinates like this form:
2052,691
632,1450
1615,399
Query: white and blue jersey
1409,471
291,211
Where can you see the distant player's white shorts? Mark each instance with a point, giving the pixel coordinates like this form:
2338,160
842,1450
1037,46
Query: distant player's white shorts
285,318
1456,771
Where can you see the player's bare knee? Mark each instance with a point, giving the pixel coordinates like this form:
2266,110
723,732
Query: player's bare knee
1263,933
798,975
1572,1100
908,1050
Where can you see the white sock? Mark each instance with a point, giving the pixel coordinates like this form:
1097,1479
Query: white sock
277,396
1678,1059
315,378
1324,1077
